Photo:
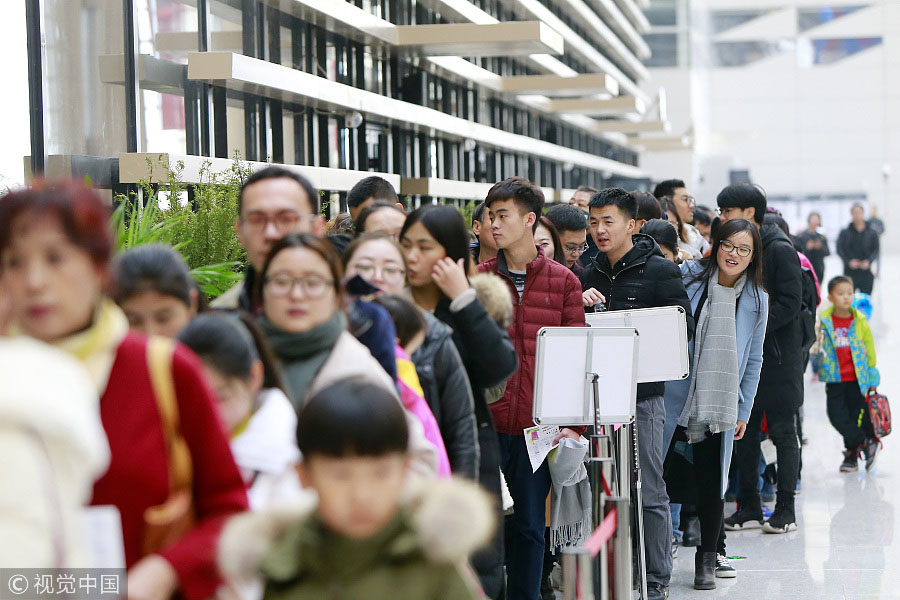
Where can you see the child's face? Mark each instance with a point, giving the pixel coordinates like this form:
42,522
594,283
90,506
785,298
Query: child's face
358,495
236,396
842,296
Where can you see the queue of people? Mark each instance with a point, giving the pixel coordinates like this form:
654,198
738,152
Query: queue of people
349,419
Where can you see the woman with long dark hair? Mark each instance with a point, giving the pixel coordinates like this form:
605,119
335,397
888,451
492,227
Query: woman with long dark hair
547,239
435,243
708,411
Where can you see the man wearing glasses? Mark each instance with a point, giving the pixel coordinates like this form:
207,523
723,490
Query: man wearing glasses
571,225
684,204
273,202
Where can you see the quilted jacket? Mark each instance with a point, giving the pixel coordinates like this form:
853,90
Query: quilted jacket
862,347
552,298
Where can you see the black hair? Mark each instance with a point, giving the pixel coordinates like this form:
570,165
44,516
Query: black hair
352,418
371,187
152,268
558,254
743,196
663,233
231,344
478,213
363,216
276,172
669,205
648,207
702,216
446,225
714,227
408,320
778,220
836,281
615,197
527,196
567,217
726,230
667,187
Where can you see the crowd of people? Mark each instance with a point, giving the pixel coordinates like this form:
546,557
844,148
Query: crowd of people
348,421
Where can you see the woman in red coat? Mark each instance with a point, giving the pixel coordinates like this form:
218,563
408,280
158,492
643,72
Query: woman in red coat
55,247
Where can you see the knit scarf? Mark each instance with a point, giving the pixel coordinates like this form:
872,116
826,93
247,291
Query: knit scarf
570,502
303,354
713,396
97,345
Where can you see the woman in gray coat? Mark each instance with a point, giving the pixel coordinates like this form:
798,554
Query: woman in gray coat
706,412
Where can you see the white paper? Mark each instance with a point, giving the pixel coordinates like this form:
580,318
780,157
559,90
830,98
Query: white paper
539,442
770,454
103,532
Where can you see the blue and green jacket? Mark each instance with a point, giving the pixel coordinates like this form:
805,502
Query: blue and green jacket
862,347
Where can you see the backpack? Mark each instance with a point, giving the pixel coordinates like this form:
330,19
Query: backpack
809,301
879,413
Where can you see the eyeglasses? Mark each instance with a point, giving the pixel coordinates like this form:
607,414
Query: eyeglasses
285,221
727,247
368,270
724,211
691,201
313,286
575,249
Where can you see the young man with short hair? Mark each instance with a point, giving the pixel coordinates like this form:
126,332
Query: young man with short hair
631,272
780,391
486,248
545,293
368,190
273,202
858,246
571,225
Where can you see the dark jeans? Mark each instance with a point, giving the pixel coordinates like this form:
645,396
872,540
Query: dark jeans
863,279
708,470
778,398
848,413
525,534
650,418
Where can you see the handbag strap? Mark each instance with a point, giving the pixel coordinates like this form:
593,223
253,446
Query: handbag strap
160,351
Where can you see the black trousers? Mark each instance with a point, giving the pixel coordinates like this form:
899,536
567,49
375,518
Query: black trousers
848,413
779,396
863,279
708,470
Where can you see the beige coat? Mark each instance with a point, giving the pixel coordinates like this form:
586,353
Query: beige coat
350,359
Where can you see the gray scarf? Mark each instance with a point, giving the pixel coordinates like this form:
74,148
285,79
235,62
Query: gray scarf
570,503
713,396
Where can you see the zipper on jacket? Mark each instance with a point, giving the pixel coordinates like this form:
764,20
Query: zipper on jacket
612,281
518,375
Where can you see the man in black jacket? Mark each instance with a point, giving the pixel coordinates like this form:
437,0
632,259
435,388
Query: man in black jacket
780,391
630,272
858,247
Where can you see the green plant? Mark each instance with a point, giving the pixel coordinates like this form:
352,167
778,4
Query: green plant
202,229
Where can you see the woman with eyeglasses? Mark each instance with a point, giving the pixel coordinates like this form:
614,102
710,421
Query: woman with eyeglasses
379,260
708,411
300,291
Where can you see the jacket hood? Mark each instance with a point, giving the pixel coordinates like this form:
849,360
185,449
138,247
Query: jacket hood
771,233
452,518
494,294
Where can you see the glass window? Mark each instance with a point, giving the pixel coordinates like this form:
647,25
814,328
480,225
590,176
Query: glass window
807,18
664,48
738,54
826,52
723,20
661,17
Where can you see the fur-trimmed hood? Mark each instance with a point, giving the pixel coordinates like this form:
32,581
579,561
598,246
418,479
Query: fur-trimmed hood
452,519
493,293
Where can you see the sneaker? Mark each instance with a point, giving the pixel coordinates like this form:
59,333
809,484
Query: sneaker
724,570
744,519
657,591
850,461
782,521
674,547
870,450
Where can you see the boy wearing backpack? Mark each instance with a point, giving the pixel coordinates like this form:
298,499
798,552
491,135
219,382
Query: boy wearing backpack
848,368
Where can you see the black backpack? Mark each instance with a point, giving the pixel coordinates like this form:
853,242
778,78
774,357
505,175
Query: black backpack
809,301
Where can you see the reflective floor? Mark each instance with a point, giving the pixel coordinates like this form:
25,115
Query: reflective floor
848,542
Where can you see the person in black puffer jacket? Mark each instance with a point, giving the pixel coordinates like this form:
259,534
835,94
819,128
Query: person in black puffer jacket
780,391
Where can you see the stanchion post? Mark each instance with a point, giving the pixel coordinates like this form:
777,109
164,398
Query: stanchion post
578,574
620,582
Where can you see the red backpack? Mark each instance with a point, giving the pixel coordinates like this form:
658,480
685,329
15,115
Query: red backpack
879,413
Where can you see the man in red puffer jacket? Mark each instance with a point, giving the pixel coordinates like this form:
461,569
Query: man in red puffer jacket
545,294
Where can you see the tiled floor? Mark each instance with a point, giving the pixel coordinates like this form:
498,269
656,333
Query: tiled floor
848,543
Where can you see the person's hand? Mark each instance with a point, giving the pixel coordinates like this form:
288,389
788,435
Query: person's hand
591,296
450,277
864,264
739,430
811,245
152,578
565,432
853,264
